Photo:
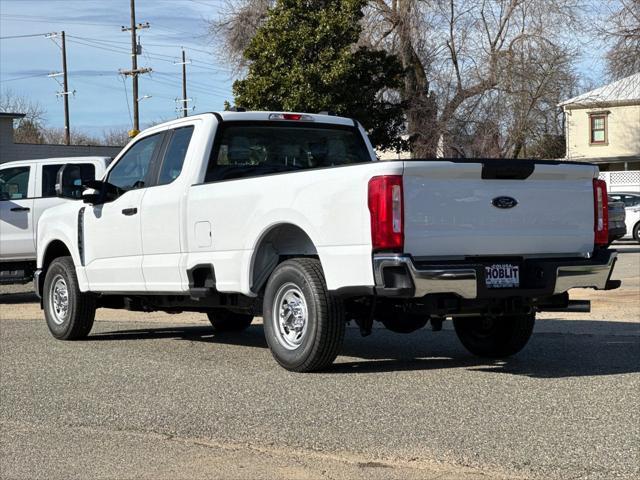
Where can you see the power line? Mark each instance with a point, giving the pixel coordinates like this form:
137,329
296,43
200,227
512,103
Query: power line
42,75
24,36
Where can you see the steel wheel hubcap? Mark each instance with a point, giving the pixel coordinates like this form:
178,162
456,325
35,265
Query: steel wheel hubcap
59,300
290,315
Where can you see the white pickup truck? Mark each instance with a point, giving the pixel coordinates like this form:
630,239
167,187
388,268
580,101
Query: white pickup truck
292,217
27,188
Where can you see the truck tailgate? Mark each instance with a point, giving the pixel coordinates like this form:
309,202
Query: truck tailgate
449,211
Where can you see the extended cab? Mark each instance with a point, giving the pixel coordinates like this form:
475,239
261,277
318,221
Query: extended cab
292,217
27,188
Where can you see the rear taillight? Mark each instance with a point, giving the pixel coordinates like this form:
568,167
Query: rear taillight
601,213
387,214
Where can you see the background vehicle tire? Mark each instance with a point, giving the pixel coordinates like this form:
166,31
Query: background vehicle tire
303,323
404,323
636,232
494,337
68,311
228,321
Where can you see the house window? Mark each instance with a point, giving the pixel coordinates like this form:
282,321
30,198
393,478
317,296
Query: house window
598,129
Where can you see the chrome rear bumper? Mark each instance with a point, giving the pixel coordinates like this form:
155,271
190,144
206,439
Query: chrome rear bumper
543,277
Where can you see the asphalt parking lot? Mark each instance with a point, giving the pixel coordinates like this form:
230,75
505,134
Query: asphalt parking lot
162,396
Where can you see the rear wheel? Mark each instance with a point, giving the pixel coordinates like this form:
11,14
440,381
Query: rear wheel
636,232
303,323
68,311
228,321
494,337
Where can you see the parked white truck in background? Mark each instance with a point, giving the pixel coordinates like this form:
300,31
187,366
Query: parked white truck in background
291,216
27,189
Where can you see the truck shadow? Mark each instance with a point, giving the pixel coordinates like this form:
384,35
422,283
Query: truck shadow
18,298
572,348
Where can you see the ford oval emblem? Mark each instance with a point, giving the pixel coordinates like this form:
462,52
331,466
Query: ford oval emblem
504,202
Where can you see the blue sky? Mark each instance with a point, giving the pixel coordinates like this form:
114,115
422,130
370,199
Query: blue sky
97,48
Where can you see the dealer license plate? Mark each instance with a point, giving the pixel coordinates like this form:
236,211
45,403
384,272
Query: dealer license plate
502,275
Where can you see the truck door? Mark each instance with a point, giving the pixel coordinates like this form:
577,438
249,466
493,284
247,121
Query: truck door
161,207
111,231
17,240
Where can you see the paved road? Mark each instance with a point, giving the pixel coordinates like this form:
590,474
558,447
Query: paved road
160,400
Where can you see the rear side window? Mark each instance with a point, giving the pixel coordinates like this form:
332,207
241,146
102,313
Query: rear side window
14,183
131,170
50,175
631,200
175,155
252,149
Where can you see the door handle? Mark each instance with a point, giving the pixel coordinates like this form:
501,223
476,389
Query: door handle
20,209
130,211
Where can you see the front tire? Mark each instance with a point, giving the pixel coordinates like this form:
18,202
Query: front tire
69,312
228,321
494,337
303,323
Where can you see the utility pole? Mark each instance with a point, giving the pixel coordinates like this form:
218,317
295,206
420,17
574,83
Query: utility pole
135,71
184,101
67,131
65,85
184,85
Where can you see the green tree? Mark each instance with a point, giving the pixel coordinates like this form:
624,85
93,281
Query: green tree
305,58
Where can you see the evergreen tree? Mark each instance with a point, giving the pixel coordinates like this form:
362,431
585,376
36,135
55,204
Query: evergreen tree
305,58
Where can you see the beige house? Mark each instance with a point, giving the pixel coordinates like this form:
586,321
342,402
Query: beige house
603,126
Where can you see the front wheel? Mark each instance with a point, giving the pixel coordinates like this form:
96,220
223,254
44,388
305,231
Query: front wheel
68,311
303,323
494,337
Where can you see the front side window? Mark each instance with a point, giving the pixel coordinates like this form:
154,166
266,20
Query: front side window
252,149
131,170
175,155
50,176
598,128
14,183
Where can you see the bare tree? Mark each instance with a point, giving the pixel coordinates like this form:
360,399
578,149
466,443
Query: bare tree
456,54
29,128
621,29
232,31
115,137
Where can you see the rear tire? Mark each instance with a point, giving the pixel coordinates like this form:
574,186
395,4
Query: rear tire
494,337
228,321
69,312
636,232
303,323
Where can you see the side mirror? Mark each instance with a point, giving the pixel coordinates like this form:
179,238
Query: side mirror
96,192
69,182
91,196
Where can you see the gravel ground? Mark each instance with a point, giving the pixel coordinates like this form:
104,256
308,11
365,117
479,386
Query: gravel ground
162,396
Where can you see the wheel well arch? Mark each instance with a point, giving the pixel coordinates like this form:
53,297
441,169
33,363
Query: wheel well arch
279,242
55,249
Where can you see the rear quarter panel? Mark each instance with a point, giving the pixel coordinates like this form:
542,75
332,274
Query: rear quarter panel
329,205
